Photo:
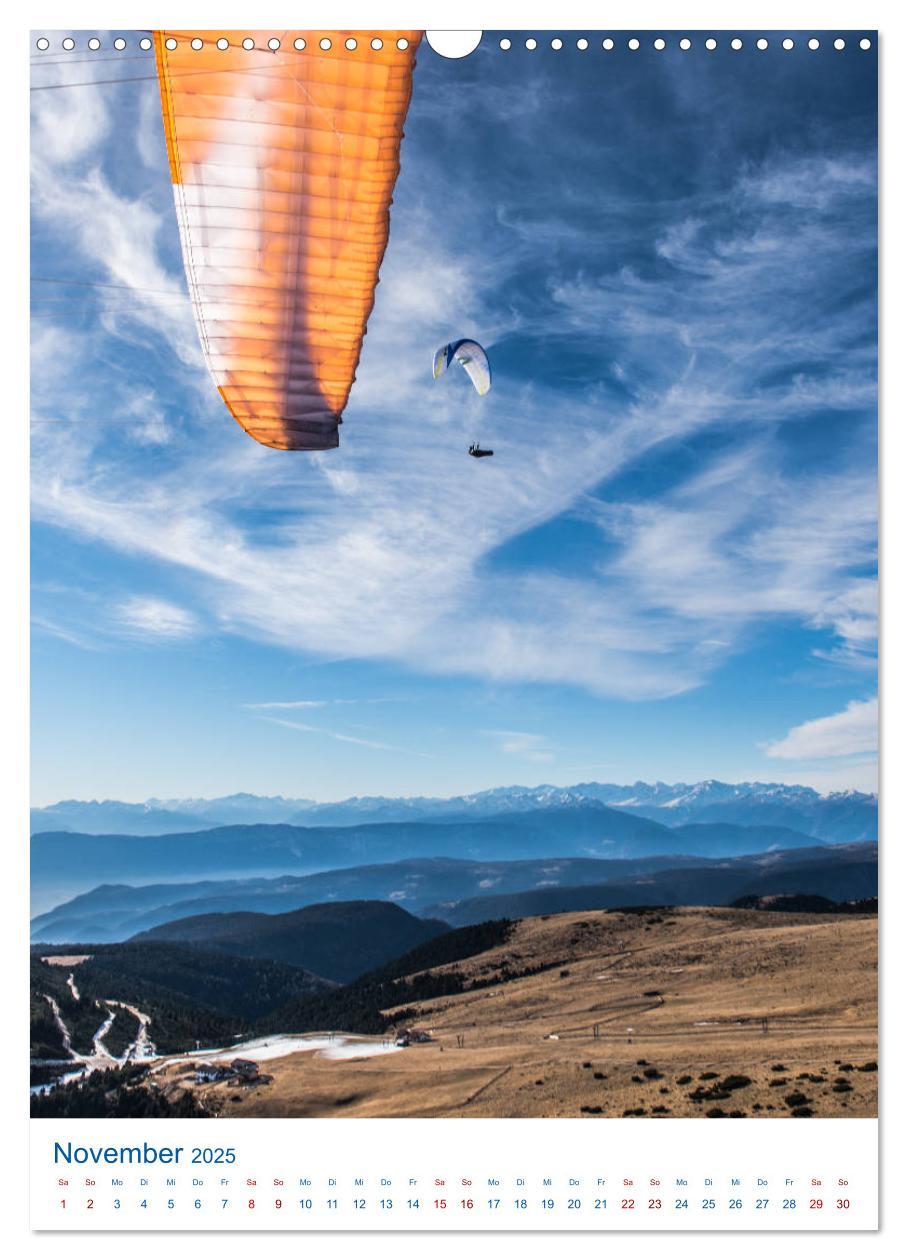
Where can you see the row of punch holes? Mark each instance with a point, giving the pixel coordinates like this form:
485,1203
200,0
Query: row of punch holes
531,43
94,44
685,44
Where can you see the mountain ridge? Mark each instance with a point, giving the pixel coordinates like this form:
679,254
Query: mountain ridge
335,940
66,863
114,912
681,802
850,875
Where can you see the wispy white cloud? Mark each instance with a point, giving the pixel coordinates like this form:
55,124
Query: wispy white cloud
67,125
810,183
523,744
846,734
739,542
287,704
146,420
318,704
65,634
853,615
336,735
156,619
116,232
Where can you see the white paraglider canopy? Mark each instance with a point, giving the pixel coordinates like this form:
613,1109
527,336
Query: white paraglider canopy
472,358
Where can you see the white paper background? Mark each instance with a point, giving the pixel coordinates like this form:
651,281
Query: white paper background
467,14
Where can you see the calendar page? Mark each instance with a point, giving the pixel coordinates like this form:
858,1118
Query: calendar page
453,679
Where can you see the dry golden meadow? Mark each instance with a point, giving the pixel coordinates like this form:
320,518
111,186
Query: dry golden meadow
680,1012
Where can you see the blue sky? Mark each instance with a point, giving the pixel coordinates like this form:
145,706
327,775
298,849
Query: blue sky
666,571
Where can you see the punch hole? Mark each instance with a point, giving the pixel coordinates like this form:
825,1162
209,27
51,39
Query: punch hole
94,44
659,44
223,44
712,44
608,44
299,44
685,45
865,44
119,44
43,44
196,43
583,44
737,44
248,44
274,43
504,44
69,44
453,44
788,44
145,44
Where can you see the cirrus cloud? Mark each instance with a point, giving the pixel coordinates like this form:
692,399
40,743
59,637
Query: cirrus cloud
524,744
156,619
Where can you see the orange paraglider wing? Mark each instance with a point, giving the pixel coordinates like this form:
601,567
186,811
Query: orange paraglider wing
283,163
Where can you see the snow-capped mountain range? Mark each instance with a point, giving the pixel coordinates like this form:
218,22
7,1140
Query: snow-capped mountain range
834,817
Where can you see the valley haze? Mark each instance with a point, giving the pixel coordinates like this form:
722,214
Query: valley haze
244,838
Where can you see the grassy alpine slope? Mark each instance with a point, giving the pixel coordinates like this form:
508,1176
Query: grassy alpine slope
678,998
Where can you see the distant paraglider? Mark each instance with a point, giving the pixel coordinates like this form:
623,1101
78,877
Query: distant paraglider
472,358
475,362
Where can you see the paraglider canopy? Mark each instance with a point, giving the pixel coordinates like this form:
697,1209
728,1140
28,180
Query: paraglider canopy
477,452
472,358
283,152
